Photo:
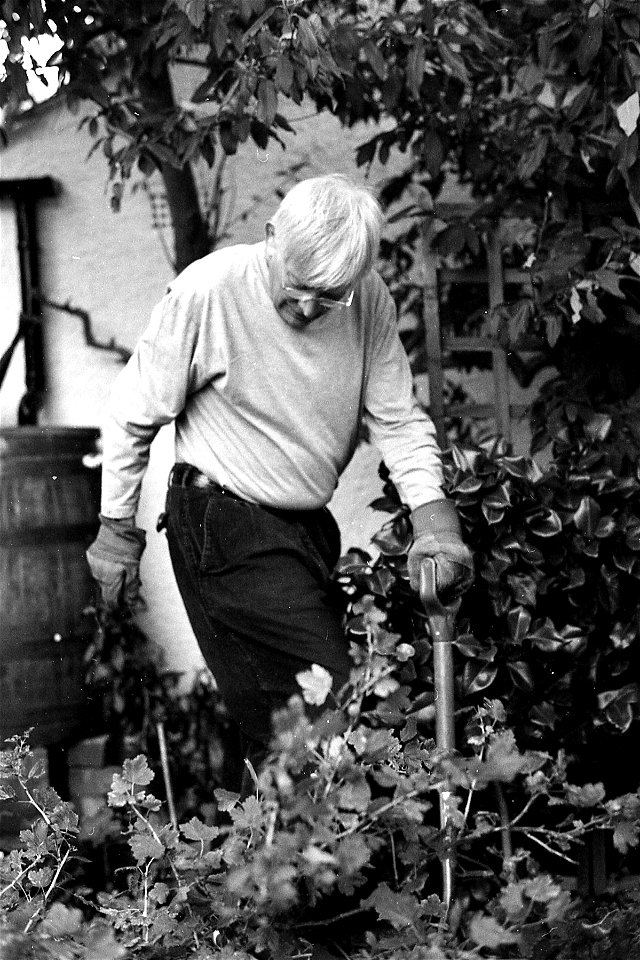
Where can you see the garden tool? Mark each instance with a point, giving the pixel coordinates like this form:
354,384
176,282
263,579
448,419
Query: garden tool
441,621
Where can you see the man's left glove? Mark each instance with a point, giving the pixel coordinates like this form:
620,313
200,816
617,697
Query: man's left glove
114,560
437,534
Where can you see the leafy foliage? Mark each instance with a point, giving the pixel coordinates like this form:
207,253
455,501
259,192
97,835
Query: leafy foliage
250,56
339,839
116,59
551,624
535,108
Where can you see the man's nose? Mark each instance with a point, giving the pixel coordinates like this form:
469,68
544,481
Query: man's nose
308,307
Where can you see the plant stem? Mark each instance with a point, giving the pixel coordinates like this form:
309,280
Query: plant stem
467,806
393,857
549,849
147,824
273,813
15,880
378,813
472,788
35,804
524,810
329,920
505,831
57,874
166,775
145,911
157,838
48,892
31,920
368,685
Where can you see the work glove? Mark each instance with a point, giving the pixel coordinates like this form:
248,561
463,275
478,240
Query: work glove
114,561
436,534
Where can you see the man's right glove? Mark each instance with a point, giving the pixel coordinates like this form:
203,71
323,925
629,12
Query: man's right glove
436,530
114,561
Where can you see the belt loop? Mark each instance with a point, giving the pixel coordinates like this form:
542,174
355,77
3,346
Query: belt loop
181,474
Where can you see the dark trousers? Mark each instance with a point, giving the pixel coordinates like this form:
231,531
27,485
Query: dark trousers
254,582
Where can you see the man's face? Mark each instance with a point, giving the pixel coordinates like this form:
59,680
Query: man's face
297,304
297,311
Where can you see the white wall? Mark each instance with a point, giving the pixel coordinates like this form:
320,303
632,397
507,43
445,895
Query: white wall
113,266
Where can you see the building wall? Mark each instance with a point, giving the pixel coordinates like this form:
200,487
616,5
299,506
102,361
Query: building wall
113,266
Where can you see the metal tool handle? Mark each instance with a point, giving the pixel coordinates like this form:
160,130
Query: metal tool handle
429,587
429,593
440,619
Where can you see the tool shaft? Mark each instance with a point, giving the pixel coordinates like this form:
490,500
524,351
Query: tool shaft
440,622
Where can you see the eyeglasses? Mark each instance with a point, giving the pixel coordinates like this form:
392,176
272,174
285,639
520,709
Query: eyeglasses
296,294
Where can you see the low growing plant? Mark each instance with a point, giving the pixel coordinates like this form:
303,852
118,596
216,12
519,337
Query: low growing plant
339,844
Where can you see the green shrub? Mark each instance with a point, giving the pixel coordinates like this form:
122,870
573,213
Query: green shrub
551,624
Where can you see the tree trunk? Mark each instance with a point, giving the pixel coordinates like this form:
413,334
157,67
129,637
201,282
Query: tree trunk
191,239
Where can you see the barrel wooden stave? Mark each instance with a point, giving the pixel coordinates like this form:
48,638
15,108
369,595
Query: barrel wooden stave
49,504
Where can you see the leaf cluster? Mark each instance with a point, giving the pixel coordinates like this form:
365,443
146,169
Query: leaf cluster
534,107
117,58
551,625
338,839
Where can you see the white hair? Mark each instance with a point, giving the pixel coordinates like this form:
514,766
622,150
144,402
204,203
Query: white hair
327,230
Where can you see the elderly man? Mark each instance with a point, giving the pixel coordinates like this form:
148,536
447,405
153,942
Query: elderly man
269,357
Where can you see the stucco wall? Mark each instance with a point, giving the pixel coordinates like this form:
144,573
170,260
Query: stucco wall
113,266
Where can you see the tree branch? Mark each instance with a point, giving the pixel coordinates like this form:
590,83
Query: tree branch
90,340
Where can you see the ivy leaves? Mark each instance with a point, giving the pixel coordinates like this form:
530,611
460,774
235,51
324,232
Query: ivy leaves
541,543
551,624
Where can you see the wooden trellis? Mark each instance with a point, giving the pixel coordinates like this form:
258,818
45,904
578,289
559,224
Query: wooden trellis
441,348
440,352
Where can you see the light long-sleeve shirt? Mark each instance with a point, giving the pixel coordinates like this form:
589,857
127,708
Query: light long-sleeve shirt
270,411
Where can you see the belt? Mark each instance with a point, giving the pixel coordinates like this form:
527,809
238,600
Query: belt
186,475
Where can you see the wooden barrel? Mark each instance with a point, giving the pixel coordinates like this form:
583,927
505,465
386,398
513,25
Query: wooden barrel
49,503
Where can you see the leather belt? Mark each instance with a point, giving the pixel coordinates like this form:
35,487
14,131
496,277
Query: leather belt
186,475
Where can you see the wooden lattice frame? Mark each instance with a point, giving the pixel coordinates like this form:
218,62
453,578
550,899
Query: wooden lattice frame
502,410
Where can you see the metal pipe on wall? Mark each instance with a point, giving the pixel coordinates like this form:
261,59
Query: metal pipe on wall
25,195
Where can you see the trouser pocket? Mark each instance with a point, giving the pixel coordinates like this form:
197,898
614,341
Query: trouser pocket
233,532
